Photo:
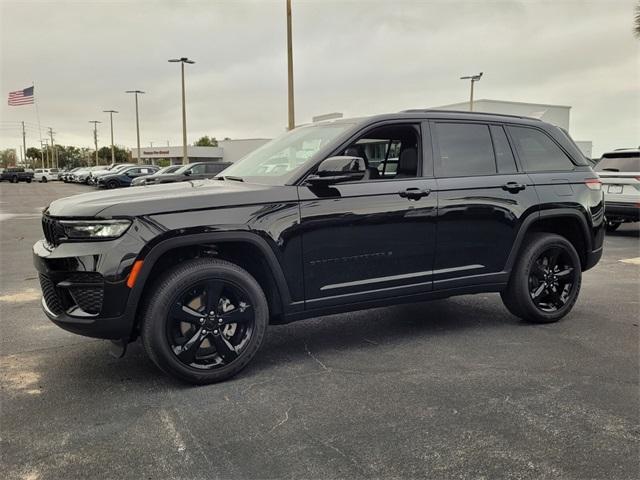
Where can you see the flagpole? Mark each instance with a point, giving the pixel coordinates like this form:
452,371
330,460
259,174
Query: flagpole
35,102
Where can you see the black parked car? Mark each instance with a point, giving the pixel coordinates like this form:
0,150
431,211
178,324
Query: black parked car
16,174
191,171
124,177
474,203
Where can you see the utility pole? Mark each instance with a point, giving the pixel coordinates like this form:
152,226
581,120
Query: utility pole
45,145
136,92
474,79
183,60
54,158
95,136
24,142
292,117
113,152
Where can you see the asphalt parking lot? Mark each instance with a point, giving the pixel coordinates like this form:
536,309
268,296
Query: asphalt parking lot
456,388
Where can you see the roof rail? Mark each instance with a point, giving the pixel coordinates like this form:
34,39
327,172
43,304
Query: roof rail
435,110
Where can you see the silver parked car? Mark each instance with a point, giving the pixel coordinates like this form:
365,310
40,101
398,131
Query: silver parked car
620,174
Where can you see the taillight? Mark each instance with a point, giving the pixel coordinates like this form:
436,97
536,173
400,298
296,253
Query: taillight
593,183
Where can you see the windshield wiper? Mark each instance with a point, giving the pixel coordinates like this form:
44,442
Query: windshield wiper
235,179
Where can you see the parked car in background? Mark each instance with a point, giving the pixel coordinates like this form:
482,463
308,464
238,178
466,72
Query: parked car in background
124,177
43,175
82,176
65,176
113,168
620,174
191,171
16,174
163,171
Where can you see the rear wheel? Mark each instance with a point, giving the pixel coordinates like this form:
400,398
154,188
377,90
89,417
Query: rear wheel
545,283
28,180
205,321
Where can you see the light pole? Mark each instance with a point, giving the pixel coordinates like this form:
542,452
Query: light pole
473,78
136,92
95,136
183,60
292,120
113,152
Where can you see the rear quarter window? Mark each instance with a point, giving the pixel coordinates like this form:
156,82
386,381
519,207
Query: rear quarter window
538,152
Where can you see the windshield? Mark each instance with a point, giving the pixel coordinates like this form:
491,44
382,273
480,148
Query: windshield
626,163
277,161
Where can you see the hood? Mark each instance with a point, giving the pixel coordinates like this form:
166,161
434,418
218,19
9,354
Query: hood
169,197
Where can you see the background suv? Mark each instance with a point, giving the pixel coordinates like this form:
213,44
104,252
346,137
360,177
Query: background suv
620,173
315,222
191,171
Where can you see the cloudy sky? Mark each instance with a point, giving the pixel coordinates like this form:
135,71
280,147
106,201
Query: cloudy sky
357,57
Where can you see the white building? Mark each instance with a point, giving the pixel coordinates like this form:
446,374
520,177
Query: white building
558,115
226,151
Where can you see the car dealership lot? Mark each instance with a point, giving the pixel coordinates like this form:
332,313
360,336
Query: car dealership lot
455,388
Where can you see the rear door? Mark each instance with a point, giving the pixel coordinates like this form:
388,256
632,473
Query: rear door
482,197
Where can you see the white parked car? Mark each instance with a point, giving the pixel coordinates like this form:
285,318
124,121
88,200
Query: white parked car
620,174
43,175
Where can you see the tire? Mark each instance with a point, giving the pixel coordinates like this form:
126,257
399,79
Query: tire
28,180
525,291
14,179
44,180
112,184
160,328
612,226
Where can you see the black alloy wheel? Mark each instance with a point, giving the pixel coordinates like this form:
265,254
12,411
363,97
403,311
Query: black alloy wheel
204,320
210,323
552,279
112,184
545,281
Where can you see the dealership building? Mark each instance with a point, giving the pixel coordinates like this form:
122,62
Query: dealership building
226,151
558,115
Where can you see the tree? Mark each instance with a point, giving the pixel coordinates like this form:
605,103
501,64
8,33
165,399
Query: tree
104,154
8,157
206,141
637,21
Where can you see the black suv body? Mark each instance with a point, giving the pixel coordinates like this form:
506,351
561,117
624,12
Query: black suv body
331,217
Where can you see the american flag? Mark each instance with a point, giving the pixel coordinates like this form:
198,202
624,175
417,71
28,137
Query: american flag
21,97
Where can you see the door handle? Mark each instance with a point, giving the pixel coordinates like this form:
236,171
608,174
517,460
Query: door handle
414,193
513,187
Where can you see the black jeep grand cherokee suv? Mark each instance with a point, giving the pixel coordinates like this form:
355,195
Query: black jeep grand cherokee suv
330,217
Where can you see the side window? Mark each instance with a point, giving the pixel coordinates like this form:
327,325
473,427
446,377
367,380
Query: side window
465,150
504,156
145,170
389,152
537,151
198,169
133,171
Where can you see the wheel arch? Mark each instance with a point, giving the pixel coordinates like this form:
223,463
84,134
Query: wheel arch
246,249
567,222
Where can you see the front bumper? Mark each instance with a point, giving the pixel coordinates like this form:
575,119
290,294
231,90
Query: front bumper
84,283
629,212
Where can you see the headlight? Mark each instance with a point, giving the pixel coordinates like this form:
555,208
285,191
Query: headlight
99,229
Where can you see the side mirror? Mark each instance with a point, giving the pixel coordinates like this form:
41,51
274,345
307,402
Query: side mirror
338,169
187,173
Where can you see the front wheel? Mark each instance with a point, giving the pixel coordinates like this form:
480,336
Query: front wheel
204,321
28,180
44,180
112,184
545,282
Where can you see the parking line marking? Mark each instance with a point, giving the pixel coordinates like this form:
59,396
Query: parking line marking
632,261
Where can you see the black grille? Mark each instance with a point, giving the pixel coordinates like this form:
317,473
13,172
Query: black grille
51,296
88,299
53,230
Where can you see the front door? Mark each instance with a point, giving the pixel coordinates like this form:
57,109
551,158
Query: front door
372,238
